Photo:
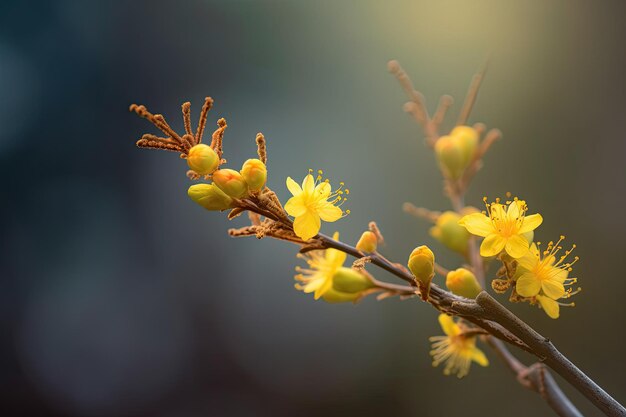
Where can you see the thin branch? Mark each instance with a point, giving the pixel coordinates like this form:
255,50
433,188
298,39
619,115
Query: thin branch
488,308
484,311
536,378
471,96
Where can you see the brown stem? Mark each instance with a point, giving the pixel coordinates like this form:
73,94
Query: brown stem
488,308
492,316
536,378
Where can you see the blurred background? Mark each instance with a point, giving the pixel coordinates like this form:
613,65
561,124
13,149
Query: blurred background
120,297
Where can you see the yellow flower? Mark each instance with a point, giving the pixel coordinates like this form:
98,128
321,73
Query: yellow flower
323,265
504,228
544,277
313,202
456,349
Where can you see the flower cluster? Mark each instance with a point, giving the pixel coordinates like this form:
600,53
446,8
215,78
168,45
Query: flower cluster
540,278
535,277
245,189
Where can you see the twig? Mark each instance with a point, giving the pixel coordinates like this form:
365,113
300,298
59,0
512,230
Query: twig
536,378
471,96
488,314
488,308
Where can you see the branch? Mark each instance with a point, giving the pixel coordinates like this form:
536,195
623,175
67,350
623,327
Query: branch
536,378
456,189
488,308
487,313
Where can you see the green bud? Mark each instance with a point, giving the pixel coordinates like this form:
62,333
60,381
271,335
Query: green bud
254,172
332,296
210,197
348,280
422,266
368,242
463,282
467,139
231,182
202,159
451,156
450,233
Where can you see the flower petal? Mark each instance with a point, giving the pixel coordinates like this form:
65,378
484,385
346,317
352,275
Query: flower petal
322,190
530,260
553,288
477,224
498,211
329,212
492,245
449,327
307,225
314,283
559,275
516,246
530,223
326,285
295,206
293,187
479,357
308,185
528,285
515,209
335,258
550,306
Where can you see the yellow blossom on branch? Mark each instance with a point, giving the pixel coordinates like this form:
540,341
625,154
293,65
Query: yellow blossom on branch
544,277
312,202
456,348
323,265
504,227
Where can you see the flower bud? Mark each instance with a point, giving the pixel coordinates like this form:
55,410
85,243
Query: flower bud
210,197
202,159
467,139
422,266
463,282
450,233
254,172
347,280
231,182
451,156
368,242
332,296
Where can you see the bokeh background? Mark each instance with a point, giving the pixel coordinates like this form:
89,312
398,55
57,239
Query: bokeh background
120,297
